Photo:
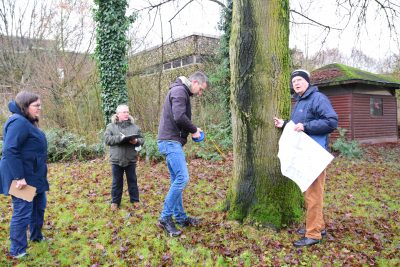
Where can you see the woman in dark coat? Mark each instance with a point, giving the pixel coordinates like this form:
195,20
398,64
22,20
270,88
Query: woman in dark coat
24,160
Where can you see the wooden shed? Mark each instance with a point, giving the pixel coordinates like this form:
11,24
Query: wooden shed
365,102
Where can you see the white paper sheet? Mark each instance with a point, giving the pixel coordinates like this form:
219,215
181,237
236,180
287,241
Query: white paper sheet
302,159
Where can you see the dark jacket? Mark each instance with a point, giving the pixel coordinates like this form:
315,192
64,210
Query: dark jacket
175,122
122,153
315,111
24,153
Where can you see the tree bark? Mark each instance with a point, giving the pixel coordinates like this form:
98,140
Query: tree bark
259,56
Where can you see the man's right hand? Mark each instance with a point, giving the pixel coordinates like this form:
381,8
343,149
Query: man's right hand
196,135
21,184
278,122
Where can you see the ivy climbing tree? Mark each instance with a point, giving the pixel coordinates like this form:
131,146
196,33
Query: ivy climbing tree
111,52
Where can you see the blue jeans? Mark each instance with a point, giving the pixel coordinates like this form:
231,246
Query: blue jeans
118,183
179,176
26,214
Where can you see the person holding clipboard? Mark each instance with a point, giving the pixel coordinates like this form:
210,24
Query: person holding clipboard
124,138
23,171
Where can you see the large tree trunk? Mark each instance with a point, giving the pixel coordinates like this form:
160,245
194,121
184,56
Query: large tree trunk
259,56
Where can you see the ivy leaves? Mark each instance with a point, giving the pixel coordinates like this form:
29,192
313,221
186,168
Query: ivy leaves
111,52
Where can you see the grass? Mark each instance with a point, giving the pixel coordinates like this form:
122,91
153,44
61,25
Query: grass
361,213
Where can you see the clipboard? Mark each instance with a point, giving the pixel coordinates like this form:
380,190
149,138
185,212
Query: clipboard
27,193
128,138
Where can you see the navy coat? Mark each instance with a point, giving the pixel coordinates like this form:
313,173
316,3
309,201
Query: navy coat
315,111
24,153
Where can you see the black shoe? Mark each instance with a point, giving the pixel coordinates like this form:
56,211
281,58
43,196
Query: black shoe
39,240
169,227
189,221
305,241
302,231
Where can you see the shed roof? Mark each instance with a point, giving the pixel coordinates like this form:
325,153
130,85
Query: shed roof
334,74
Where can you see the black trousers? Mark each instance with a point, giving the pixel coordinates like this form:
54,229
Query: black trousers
118,183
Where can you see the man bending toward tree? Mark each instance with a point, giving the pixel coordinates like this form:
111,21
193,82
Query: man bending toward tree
175,126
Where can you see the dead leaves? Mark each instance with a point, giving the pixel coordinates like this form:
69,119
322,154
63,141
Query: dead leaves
361,213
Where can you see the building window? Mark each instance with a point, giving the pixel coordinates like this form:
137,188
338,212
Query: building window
376,107
176,63
187,60
167,66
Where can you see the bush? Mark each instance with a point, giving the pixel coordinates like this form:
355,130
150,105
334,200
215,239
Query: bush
349,149
218,140
150,148
66,146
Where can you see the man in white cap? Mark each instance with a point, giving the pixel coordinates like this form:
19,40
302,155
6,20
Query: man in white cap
314,115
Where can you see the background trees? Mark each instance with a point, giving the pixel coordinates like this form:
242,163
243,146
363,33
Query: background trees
48,47
44,47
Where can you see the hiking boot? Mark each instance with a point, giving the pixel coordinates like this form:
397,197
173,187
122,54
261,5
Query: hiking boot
305,241
169,227
114,206
135,205
302,231
39,240
189,221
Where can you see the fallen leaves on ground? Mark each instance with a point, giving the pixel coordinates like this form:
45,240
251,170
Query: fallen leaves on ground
361,213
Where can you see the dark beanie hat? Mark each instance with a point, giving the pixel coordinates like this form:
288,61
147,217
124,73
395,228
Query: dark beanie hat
302,73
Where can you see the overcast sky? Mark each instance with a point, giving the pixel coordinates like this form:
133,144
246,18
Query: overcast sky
202,16
374,38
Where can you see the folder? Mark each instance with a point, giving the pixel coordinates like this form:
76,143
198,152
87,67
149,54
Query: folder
27,193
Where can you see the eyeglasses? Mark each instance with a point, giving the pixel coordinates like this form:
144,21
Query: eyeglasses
202,88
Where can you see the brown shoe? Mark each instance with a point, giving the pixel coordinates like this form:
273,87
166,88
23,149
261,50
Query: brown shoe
136,205
114,206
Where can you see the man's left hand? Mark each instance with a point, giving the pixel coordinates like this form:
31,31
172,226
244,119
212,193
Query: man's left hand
299,127
133,141
196,135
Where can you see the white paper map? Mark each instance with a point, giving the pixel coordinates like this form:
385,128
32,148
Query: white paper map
302,159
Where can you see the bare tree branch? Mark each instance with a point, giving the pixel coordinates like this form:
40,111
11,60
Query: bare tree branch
219,3
151,7
178,13
313,21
